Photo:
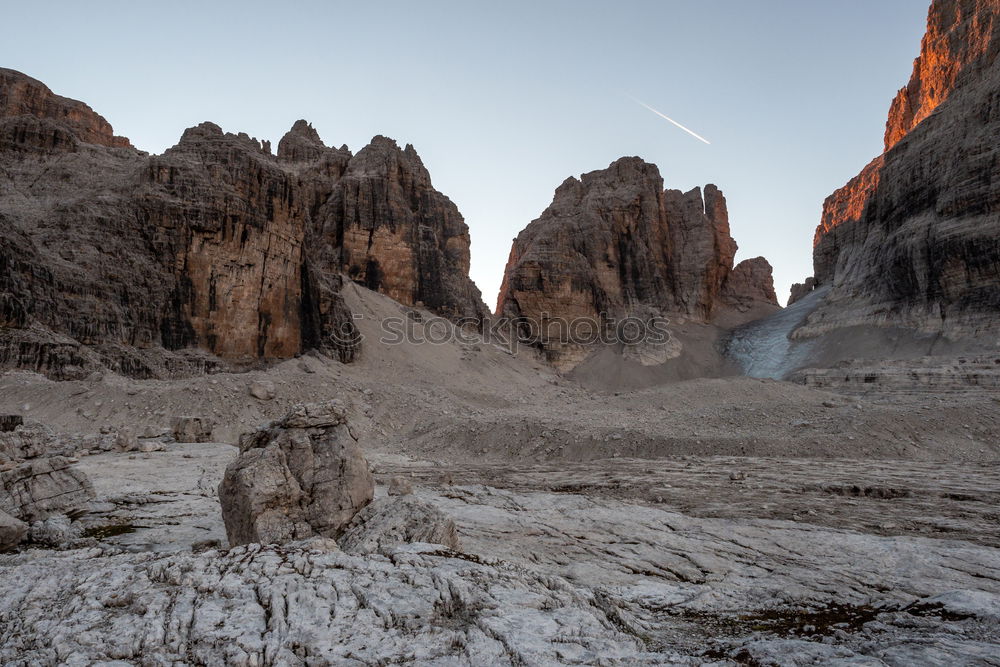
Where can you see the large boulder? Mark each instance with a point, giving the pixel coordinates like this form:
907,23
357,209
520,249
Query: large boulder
41,487
300,476
389,522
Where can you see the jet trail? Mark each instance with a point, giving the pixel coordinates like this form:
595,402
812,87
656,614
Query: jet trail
668,118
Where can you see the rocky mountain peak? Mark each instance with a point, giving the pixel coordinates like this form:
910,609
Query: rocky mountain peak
384,154
614,243
960,34
210,255
301,143
21,95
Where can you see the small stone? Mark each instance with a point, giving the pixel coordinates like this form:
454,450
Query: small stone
193,429
263,390
205,545
12,531
400,486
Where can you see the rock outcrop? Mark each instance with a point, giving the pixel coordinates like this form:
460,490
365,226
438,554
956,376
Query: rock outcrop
749,285
25,440
214,254
39,484
388,228
42,487
613,244
29,108
800,290
301,476
389,522
914,239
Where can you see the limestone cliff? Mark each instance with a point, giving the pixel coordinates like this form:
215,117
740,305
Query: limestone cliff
385,225
614,244
215,253
914,240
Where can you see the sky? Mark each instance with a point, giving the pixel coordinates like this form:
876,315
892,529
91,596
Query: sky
505,100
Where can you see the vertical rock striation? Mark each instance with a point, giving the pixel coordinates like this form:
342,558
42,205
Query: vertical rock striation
215,253
914,239
614,244
385,225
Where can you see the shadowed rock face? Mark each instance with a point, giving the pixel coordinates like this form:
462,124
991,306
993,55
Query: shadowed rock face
914,239
614,242
385,225
215,253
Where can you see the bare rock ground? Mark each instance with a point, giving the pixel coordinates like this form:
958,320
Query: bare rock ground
569,566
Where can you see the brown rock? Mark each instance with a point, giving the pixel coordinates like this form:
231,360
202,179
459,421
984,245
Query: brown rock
614,244
388,228
959,33
749,285
193,429
213,255
914,240
12,531
303,475
21,96
399,486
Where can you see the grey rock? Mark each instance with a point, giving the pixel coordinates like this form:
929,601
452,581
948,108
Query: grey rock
299,476
147,446
29,440
54,531
389,522
400,486
38,488
263,390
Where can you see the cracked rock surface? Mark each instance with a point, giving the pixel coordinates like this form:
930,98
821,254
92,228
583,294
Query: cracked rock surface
571,566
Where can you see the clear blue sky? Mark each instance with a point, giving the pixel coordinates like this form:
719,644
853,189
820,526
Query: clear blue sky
504,100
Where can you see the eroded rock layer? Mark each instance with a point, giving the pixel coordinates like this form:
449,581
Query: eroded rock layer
216,252
614,243
914,239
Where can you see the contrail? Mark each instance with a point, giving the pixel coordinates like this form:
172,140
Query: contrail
666,117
